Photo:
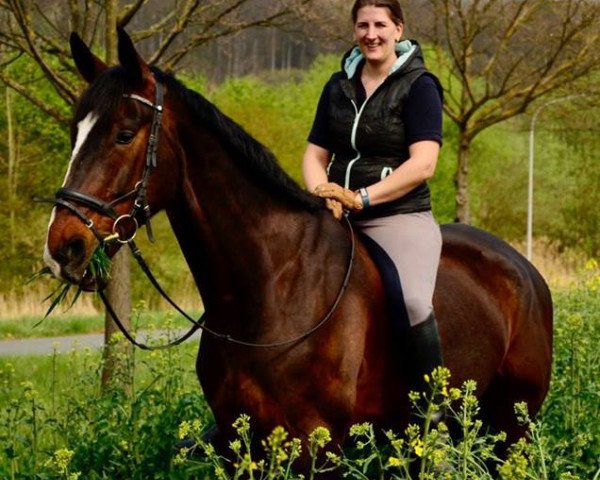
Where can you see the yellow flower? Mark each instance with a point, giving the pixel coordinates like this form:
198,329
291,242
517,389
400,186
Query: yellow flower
62,458
417,446
591,264
394,462
184,430
320,437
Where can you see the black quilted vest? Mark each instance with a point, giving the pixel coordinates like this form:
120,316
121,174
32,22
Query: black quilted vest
379,144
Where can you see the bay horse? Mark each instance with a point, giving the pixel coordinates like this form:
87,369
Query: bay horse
269,261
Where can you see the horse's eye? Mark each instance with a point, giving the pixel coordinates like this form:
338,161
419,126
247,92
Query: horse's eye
125,136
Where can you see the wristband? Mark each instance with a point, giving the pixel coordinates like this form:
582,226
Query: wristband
364,195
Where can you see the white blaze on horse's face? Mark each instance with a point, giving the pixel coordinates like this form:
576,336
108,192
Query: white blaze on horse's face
84,127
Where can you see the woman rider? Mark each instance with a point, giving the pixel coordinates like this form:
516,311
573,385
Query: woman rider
374,144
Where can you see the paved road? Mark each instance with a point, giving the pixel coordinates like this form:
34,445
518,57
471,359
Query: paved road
42,346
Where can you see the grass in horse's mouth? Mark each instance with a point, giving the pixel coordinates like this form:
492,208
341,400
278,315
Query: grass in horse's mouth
98,270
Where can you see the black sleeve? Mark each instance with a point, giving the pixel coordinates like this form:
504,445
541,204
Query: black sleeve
422,113
319,133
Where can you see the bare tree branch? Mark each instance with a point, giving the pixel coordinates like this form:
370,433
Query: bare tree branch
39,103
129,12
499,57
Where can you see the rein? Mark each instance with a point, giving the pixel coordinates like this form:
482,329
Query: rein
125,227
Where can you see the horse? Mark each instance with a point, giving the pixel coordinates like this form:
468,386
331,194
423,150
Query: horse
276,270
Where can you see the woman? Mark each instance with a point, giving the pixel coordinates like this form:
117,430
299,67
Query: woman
373,145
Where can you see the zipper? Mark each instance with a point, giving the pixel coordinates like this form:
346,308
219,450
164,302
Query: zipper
358,114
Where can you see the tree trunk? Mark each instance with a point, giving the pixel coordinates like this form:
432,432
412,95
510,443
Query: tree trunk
117,355
12,169
463,213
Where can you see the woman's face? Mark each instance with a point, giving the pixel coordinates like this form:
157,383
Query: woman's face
376,34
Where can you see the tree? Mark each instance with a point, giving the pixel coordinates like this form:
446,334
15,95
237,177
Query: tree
39,29
495,58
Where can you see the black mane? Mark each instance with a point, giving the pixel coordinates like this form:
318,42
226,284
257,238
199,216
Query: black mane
255,159
105,93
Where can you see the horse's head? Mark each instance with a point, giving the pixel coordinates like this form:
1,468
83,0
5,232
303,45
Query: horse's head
110,186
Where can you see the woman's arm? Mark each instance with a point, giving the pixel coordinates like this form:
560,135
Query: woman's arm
419,168
314,166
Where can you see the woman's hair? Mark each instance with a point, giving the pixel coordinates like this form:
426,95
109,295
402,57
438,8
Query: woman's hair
392,5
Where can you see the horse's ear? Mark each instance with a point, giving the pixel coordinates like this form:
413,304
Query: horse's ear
136,69
88,64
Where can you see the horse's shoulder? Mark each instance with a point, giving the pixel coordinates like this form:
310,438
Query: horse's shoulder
480,251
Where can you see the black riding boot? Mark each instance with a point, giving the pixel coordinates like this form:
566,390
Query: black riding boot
423,354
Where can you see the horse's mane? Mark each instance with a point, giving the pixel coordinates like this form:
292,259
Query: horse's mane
254,158
259,163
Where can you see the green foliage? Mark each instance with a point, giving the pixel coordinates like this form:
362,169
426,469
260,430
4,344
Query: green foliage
56,423
99,268
42,154
278,115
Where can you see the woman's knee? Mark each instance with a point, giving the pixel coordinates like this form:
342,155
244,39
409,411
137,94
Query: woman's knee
418,309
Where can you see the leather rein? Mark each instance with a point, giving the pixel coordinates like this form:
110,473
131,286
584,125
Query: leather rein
125,227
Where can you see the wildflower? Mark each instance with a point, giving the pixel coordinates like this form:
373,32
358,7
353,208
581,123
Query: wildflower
591,264
454,394
361,429
242,424
181,456
320,437
29,392
235,446
394,462
333,458
208,448
61,459
196,425
184,430
417,445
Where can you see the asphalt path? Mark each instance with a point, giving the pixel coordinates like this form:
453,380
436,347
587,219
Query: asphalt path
46,345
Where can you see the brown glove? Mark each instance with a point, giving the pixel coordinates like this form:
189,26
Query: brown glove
335,192
336,208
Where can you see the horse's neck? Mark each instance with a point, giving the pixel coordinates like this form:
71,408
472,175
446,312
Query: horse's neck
236,237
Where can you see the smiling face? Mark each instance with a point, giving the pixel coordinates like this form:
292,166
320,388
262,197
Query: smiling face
376,34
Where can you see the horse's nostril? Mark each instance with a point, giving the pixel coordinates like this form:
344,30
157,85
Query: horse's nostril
72,252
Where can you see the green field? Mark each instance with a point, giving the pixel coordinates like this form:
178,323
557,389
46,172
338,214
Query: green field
55,422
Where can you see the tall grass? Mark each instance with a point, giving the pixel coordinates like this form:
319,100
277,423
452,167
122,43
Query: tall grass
55,422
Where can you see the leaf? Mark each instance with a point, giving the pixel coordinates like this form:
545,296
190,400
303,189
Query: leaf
99,268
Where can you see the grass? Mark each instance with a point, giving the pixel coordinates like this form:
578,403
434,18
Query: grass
73,324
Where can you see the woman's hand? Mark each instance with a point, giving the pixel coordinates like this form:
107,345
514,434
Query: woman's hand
347,198
336,208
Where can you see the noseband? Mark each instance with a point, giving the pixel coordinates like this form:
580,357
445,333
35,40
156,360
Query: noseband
125,226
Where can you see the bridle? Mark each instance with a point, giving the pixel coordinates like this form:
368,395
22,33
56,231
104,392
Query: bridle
125,227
